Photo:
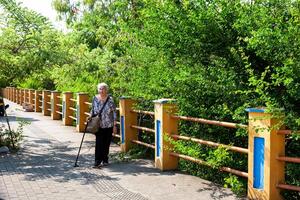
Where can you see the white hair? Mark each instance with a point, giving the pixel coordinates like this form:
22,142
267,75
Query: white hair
102,85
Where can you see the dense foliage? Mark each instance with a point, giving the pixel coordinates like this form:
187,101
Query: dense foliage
216,57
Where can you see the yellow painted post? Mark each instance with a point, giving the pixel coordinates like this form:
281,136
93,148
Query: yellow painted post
14,94
18,96
37,103
26,95
165,126
264,170
67,103
127,119
22,96
31,97
10,93
46,108
4,92
81,108
54,107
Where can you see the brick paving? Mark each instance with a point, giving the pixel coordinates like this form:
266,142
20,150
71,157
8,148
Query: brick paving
43,169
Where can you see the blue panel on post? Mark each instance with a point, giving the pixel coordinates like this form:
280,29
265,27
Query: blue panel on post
158,130
122,130
258,166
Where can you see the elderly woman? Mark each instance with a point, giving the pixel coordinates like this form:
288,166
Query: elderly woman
107,124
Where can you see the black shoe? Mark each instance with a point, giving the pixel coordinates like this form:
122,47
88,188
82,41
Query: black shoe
105,164
97,163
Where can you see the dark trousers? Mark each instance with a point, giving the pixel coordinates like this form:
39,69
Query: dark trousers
103,139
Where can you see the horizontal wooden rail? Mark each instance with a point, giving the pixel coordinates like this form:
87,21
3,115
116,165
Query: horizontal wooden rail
74,100
211,122
48,103
73,118
209,143
40,95
143,144
202,162
117,108
87,114
143,128
142,112
288,159
288,187
60,105
49,110
59,97
40,101
71,108
40,106
118,123
287,132
49,95
59,112
88,103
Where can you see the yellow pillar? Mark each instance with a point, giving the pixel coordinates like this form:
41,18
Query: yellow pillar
165,125
127,119
14,94
264,171
22,96
54,107
38,98
81,108
46,110
5,93
67,103
26,95
31,97
10,93
17,95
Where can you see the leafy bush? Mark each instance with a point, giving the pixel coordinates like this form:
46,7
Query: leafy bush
12,138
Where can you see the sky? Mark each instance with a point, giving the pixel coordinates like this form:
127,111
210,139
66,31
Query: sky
44,8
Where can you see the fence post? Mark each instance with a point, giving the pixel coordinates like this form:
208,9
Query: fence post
31,97
5,93
10,93
127,119
67,103
38,105
54,107
46,109
14,95
22,96
264,170
81,108
165,125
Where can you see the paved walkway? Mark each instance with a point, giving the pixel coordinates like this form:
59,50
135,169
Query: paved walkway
43,169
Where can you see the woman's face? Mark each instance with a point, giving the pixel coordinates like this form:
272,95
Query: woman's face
102,91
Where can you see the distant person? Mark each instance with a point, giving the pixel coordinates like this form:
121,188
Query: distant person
107,124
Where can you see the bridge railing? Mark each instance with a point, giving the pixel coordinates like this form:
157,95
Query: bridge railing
266,144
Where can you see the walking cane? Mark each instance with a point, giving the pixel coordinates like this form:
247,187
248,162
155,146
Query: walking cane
75,165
